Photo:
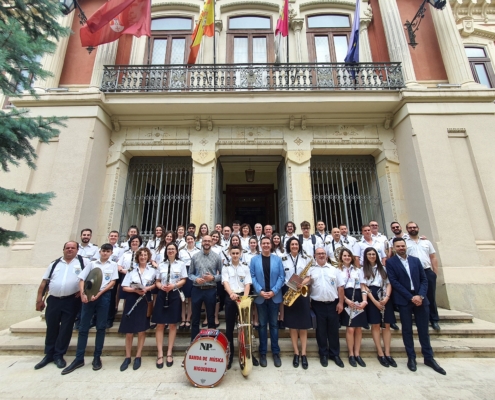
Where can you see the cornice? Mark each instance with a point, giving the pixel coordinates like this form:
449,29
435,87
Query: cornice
346,4
239,5
175,5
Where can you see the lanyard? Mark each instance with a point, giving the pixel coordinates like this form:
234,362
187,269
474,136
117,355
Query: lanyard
295,262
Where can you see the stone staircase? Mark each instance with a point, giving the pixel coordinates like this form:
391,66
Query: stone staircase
461,336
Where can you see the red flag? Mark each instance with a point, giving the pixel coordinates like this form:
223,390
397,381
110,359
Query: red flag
116,18
283,20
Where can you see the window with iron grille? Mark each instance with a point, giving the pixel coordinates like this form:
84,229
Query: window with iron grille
158,192
346,191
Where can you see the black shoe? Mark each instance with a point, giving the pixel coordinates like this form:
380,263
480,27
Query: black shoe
169,363
182,326
360,361
435,325
76,326
434,365
367,326
229,365
255,361
391,361
60,362
352,361
75,365
277,361
109,324
304,362
263,362
159,366
96,363
295,361
125,364
411,364
383,361
152,326
217,325
281,324
394,327
137,363
43,363
338,361
204,325
324,361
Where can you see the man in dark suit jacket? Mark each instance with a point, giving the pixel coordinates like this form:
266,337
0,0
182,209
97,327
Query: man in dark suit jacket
268,278
409,288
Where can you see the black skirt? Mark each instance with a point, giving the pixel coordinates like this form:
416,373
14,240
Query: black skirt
298,316
170,315
374,314
137,321
187,288
360,320
122,294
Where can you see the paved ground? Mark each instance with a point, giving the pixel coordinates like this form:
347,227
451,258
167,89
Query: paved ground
471,378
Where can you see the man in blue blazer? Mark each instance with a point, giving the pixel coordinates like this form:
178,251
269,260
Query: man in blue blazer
409,286
268,276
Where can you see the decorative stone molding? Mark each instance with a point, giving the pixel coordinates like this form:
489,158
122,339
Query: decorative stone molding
114,197
471,29
197,124
175,5
116,124
387,122
157,143
218,26
478,9
303,123
347,4
247,142
209,124
391,192
297,24
467,27
351,141
242,5
457,132
344,130
291,122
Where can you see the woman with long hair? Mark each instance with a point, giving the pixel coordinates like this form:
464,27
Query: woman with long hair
298,316
138,282
216,240
245,236
186,254
354,314
171,277
168,237
180,239
203,231
157,237
278,245
380,309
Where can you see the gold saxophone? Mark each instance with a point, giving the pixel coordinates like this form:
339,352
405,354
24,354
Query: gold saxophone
291,296
244,334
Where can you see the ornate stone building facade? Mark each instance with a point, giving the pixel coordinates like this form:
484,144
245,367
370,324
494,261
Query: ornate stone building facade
407,136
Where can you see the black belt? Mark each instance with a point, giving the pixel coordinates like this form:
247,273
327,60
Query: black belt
64,297
206,287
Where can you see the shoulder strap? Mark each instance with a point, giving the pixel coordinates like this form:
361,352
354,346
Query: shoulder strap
81,261
53,267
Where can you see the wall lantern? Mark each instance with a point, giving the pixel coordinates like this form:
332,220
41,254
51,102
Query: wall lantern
413,26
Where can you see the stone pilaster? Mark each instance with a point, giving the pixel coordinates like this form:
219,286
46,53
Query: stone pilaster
398,49
218,29
297,25
454,59
364,40
105,55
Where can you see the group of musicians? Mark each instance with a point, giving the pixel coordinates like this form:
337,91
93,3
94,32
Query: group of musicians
167,282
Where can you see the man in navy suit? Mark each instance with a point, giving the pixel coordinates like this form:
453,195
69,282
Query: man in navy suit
409,288
268,276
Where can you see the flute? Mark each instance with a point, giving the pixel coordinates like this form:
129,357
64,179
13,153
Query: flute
352,301
382,311
139,299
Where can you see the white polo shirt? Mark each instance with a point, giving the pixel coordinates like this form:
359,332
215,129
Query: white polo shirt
326,281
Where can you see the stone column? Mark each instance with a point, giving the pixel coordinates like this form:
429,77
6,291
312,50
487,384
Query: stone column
452,49
297,24
138,50
55,62
398,49
105,55
218,29
203,187
364,40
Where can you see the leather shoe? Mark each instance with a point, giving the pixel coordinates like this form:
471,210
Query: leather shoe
43,363
96,363
229,365
435,325
295,361
352,361
281,324
367,326
277,361
434,365
109,324
263,362
394,326
391,361
411,364
73,366
255,362
383,361
169,363
137,363
304,362
324,361
360,361
125,364
338,361
60,362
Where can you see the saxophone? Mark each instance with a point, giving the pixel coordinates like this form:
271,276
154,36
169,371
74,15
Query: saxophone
244,334
291,296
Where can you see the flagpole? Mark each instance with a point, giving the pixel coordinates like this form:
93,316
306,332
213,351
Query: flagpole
214,49
287,45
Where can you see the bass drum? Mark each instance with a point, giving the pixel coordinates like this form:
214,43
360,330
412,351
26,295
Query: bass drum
206,358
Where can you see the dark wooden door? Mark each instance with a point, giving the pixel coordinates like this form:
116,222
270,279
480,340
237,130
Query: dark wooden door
250,204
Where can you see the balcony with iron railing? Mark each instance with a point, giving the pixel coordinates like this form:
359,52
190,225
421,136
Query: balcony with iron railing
252,77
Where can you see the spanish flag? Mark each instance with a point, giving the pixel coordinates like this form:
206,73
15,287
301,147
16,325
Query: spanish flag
205,26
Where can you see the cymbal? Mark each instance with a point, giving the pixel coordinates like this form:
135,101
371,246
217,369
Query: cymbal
92,283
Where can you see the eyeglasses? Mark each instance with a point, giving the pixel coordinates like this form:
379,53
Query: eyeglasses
305,229
374,225
395,227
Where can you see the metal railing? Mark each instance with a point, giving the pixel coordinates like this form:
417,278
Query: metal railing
252,77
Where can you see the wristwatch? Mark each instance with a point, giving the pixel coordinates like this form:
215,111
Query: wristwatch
422,297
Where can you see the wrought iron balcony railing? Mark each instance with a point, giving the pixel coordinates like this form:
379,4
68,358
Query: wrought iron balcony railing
252,77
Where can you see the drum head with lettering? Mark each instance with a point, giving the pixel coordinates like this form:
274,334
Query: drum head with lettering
206,362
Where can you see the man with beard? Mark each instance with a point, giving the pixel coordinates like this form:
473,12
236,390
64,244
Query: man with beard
424,250
290,231
87,250
321,231
205,271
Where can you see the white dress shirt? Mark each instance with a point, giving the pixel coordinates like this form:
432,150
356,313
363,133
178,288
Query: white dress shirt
326,281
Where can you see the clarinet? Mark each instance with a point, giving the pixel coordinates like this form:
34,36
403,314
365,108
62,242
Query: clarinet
151,283
382,311
352,309
168,280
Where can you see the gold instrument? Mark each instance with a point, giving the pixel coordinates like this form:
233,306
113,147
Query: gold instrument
292,294
244,334
335,261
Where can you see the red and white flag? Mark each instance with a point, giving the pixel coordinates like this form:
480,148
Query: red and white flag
116,18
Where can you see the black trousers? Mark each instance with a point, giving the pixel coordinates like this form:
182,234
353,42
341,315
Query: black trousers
231,313
431,293
111,309
421,320
327,327
198,296
60,316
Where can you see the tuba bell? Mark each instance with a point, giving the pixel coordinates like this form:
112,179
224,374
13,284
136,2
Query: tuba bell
244,335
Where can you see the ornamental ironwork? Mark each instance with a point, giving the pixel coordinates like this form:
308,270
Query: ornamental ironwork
255,77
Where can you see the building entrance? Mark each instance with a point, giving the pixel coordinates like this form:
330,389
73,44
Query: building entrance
250,204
